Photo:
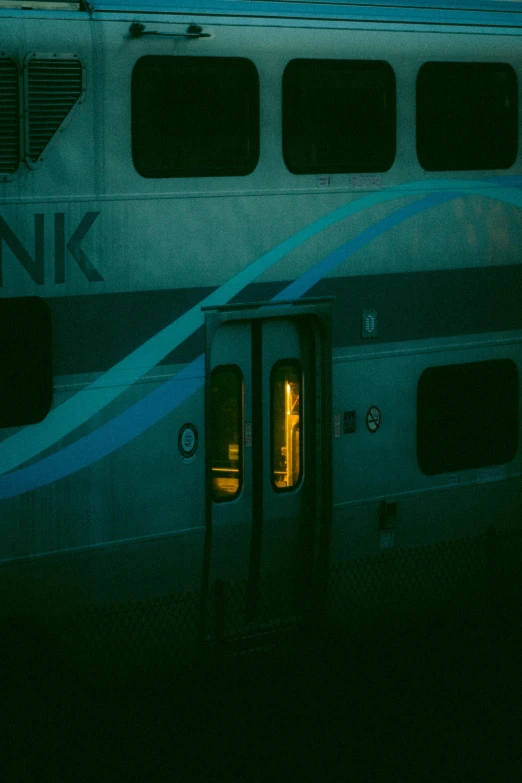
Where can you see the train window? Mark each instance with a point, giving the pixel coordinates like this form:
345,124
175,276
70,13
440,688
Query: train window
467,116
195,116
286,385
467,416
338,116
226,432
26,387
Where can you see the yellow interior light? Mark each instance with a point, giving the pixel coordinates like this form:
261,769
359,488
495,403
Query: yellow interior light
286,418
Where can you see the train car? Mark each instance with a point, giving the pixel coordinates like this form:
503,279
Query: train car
261,285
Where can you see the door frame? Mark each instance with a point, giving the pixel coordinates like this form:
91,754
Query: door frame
317,312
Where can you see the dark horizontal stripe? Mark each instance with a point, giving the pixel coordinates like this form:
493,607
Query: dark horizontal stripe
92,333
420,305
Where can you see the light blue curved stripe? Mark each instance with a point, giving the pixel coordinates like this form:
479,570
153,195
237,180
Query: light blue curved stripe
111,436
299,287
143,414
71,414
33,439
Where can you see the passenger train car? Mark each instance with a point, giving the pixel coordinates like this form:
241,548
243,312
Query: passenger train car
261,290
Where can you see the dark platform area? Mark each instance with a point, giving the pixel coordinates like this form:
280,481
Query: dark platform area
432,702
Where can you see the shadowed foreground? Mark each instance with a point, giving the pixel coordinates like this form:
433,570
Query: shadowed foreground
431,703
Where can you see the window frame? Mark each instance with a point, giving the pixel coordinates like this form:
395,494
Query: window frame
289,120
433,443
426,156
25,368
231,169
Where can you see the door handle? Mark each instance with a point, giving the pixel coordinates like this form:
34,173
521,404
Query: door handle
137,30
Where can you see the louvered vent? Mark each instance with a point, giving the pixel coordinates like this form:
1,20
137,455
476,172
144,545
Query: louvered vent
52,88
9,117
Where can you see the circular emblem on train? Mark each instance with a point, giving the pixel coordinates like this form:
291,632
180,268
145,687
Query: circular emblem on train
373,419
188,441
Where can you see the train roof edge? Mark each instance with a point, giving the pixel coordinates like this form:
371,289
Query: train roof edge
44,5
508,12
483,13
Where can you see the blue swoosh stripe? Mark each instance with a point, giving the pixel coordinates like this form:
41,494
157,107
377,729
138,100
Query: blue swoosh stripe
33,439
148,411
111,436
299,287
71,414
38,474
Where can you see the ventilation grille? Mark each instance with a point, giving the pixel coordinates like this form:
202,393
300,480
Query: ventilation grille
53,87
9,117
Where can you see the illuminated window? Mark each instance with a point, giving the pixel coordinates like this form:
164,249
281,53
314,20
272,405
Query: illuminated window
226,429
286,386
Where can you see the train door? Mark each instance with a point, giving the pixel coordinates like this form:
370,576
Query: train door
268,429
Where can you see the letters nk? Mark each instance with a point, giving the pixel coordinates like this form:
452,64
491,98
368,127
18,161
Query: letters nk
35,266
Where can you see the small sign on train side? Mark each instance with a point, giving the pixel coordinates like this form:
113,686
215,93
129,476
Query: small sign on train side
188,442
373,419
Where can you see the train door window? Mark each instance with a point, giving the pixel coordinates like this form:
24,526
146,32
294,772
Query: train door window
195,116
9,116
286,395
338,116
226,432
25,361
467,116
467,416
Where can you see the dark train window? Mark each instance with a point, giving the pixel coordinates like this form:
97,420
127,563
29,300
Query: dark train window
467,116
286,386
338,116
226,433
467,416
26,386
195,116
